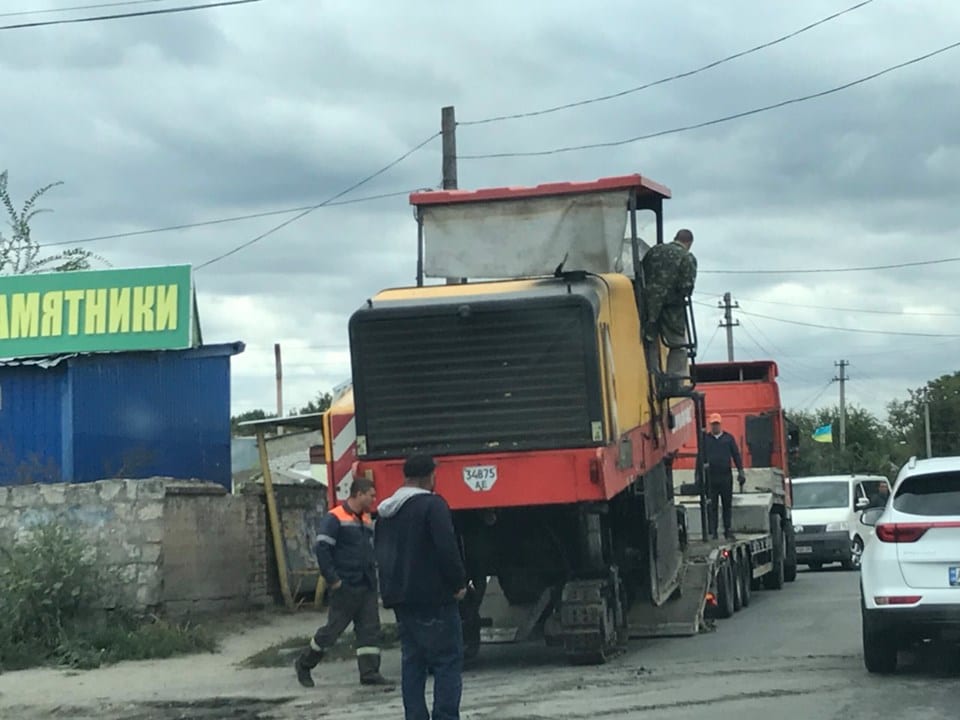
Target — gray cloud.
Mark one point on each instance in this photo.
(235, 111)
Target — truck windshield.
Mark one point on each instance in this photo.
(808, 496)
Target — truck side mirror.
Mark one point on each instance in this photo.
(793, 440)
(862, 502)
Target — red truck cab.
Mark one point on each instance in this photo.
(747, 396)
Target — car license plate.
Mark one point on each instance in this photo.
(804, 549)
(955, 577)
(480, 478)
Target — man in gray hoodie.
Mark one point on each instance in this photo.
(422, 578)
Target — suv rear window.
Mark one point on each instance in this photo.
(929, 494)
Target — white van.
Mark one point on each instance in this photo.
(826, 517)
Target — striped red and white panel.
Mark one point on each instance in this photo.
(344, 453)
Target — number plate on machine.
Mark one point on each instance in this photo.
(955, 577)
(480, 478)
(804, 549)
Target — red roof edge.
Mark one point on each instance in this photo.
(642, 185)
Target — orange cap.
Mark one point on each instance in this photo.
(715, 418)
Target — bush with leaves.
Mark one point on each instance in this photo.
(51, 597)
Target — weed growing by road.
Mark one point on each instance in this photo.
(52, 595)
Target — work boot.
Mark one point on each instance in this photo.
(306, 661)
(369, 666)
(729, 535)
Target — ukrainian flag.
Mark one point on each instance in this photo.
(823, 434)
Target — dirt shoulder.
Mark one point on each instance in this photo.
(195, 686)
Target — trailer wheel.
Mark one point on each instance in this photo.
(790, 564)
(725, 591)
(773, 580)
(737, 576)
(746, 573)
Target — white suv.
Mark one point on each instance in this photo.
(910, 573)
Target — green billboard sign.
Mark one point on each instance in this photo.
(96, 311)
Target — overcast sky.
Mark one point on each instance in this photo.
(183, 118)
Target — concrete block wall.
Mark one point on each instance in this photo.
(300, 508)
(175, 546)
(122, 520)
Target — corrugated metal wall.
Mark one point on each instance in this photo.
(129, 415)
(31, 424)
(143, 414)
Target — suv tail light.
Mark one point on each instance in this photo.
(910, 532)
(901, 532)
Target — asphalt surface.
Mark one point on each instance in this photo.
(792, 655)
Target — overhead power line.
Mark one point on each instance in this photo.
(121, 16)
(869, 311)
(671, 78)
(706, 348)
(224, 220)
(816, 396)
(329, 200)
(809, 271)
(78, 8)
(849, 330)
(715, 121)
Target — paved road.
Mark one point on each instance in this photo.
(792, 655)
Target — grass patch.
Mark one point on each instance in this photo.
(284, 652)
(50, 589)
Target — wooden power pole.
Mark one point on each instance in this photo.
(728, 322)
(448, 131)
(842, 379)
(279, 368)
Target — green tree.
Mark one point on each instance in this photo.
(907, 417)
(872, 445)
(20, 253)
(244, 417)
(319, 404)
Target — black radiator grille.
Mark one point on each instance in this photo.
(482, 377)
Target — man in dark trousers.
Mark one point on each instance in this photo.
(345, 555)
(422, 578)
(669, 271)
(720, 449)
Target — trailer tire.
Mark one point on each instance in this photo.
(725, 591)
(737, 577)
(746, 572)
(790, 564)
(774, 579)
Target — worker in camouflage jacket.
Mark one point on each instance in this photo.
(669, 271)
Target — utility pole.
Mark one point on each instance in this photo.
(728, 322)
(279, 367)
(926, 422)
(448, 131)
(842, 379)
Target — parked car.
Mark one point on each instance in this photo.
(910, 575)
(826, 517)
